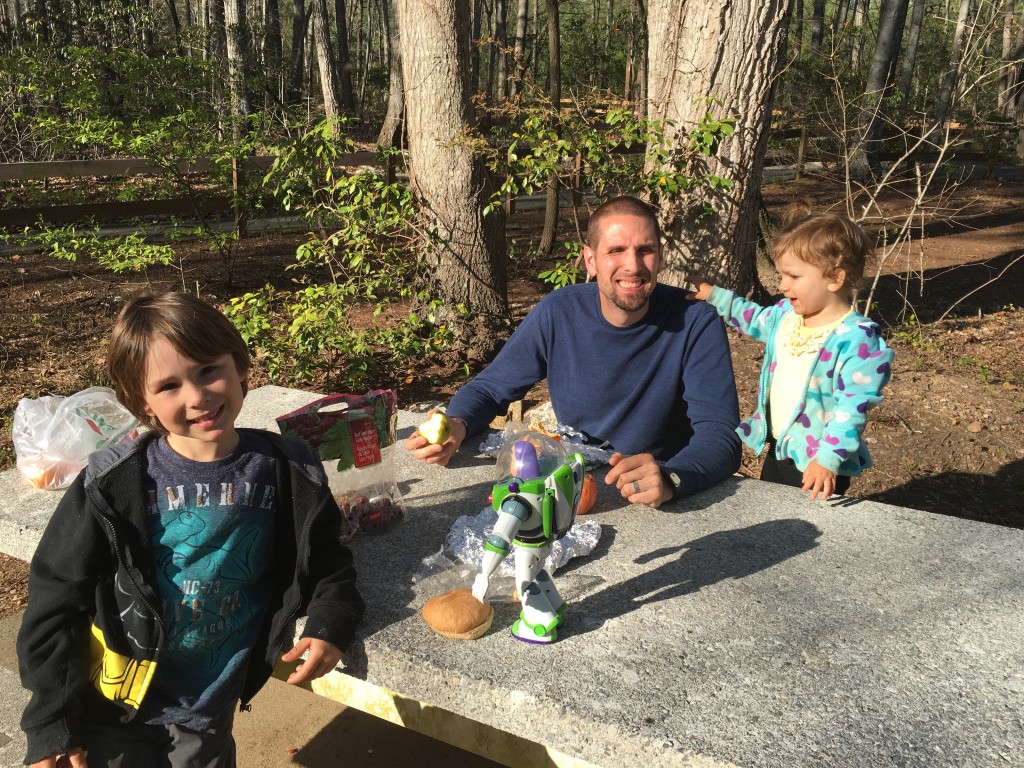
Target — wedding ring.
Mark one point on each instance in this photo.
(636, 486)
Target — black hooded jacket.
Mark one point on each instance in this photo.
(93, 619)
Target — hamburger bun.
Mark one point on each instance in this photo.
(458, 615)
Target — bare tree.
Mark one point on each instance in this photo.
(391, 129)
(522, 16)
(864, 154)
(348, 102)
(325, 58)
(949, 81)
(300, 25)
(467, 252)
(910, 55)
(817, 25)
(547, 238)
(237, 33)
(698, 49)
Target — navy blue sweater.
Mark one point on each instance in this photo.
(662, 386)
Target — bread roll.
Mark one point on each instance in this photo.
(458, 615)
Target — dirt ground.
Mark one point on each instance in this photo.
(949, 437)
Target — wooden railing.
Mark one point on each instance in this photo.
(200, 203)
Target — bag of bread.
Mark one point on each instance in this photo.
(355, 437)
(53, 436)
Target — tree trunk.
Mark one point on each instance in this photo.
(817, 25)
(522, 16)
(945, 99)
(391, 130)
(298, 69)
(860, 11)
(237, 35)
(273, 51)
(325, 58)
(910, 55)
(348, 102)
(609, 25)
(1006, 80)
(865, 147)
(467, 254)
(798, 27)
(172, 8)
(700, 49)
(547, 238)
(500, 23)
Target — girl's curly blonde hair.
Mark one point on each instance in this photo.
(828, 241)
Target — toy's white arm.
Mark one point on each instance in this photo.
(510, 517)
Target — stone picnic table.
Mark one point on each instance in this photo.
(745, 626)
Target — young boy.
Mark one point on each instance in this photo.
(167, 581)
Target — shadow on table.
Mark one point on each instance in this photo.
(684, 569)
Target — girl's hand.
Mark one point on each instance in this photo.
(817, 480)
(72, 758)
(702, 285)
(323, 657)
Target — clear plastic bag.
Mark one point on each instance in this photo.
(53, 436)
(355, 437)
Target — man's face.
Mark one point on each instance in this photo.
(625, 261)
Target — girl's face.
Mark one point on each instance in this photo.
(814, 297)
(196, 403)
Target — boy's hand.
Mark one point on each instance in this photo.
(702, 285)
(440, 453)
(73, 758)
(638, 479)
(817, 480)
(322, 658)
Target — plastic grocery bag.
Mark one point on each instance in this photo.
(53, 436)
(355, 436)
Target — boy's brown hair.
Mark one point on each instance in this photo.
(194, 328)
(828, 241)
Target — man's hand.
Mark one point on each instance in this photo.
(817, 480)
(703, 287)
(73, 758)
(322, 658)
(440, 453)
(639, 479)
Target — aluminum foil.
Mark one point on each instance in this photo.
(465, 542)
(457, 563)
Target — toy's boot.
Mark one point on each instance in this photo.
(538, 621)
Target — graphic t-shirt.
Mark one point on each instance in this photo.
(211, 527)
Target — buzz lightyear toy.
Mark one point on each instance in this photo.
(536, 498)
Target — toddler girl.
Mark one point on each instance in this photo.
(825, 364)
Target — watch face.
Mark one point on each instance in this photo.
(675, 480)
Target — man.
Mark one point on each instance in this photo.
(628, 362)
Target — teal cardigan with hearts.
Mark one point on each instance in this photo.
(844, 383)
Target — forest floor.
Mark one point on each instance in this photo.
(949, 437)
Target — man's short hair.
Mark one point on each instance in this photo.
(195, 329)
(620, 206)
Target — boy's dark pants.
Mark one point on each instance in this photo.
(785, 472)
(113, 744)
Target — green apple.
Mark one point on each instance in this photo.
(436, 429)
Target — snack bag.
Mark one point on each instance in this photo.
(53, 436)
(355, 436)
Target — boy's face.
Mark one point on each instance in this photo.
(197, 403)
